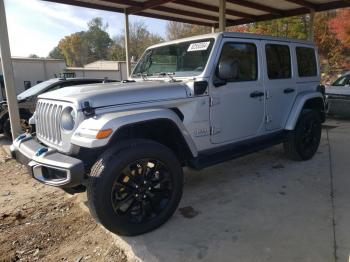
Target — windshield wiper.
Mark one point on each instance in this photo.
(142, 75)
(170, 75)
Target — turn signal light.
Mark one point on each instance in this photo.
(104, 133)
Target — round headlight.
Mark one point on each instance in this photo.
(68, 119)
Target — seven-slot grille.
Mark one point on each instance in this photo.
(48, 121)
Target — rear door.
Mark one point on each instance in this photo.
(279, 83)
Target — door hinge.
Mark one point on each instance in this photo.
(268, 118)
(214, 130)
(214, 101)
(267, 94)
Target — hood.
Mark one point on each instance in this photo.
(108, 94)
(337, 90)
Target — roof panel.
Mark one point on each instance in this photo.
(205, 12)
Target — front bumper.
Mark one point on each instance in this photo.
(46, 164)
(338, 105)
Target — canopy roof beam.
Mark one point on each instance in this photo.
(213, 8)
(257, 6)
(146, 5)
(303, 3)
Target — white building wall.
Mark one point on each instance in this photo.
(34, 70)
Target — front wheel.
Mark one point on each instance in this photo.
(135, 187)
(302, 142)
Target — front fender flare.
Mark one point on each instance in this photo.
(117, 120)
(298, 106)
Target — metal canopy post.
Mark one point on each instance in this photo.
(311, 25)
(6, 63)
(222, 15)
(127, 45)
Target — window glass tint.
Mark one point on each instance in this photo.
(244, 56)
(306, 59)
(278, 61)
(181, 59)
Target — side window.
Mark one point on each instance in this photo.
(278, 61)
(244, 56)
(306, 60)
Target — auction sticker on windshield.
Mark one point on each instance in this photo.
(198, 46)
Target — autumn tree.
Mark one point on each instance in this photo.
(86, 46)
(291, 27)
(340, 26)
(74, 49)
(176, 30)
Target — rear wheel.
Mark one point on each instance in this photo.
(302, 142)
(135, 187)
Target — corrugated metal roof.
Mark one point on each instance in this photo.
(205, 12)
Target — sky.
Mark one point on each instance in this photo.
(35, 27)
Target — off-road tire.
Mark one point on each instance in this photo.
(294, 145)
(108, 167)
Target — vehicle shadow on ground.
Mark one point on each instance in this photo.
(262, 207)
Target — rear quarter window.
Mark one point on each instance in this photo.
(306, 60)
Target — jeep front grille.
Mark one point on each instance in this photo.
(48, 120)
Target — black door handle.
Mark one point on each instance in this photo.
(257, 94)
(288, 90)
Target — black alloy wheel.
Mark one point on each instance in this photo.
(135, 187)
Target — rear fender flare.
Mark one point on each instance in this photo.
(298, 106)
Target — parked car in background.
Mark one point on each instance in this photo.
(338, 96)
(27, 100)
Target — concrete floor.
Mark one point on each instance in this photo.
(263, 207)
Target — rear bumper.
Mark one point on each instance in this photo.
(46, 164)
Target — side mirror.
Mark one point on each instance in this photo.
(228, 69)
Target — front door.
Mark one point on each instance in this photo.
(237, 108)
(279, 83)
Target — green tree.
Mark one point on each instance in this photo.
(176, 30)
(33, 56)
(97, 40)
(56, 53)
(291, 27)
(140, 39)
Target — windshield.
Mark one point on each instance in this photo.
(342, 81)
(181, 59)
(35, 90)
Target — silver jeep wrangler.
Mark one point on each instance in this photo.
(193, 102)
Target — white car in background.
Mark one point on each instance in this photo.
(338, 96)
